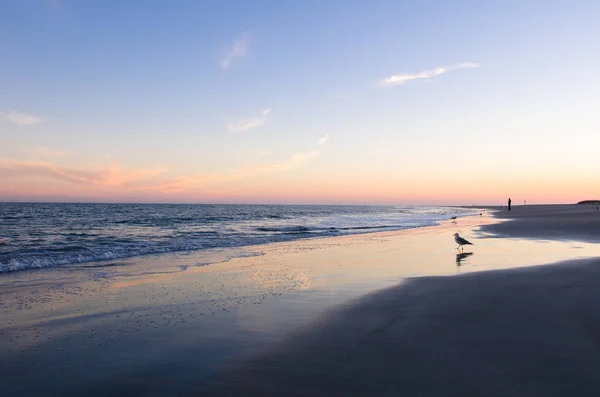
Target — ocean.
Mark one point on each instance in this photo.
(38, 235)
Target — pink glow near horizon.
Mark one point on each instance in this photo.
(301, 191)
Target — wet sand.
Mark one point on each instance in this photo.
(526, 332)
(372, 314)
(554, 222)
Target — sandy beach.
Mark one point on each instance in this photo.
(391, 313)
(553, 222)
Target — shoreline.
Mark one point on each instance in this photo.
(299, 232)
(116, 330)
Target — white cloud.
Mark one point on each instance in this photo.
(323, 140)
(20, 118)
(425, 74)
(247, 124)
(238, 50)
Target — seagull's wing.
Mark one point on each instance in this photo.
(462, 241)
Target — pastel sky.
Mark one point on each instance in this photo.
(338, 101)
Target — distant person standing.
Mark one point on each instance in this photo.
(509, 201)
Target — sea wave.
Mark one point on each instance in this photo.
(61, 235)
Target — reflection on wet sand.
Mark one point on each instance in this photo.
(461, 257)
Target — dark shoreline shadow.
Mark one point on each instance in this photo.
(523, 332)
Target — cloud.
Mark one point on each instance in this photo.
(114, 175)
(323, 140)
(425, 74)
(153, 179)
(238, 50)
(466, 65)
(247, 124)
(20, 118)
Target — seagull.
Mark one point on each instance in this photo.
(461, 241)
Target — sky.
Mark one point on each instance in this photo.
(307, 102)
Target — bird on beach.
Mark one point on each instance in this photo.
(461, 241)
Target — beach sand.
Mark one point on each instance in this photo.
(556, 222)
(364, 315)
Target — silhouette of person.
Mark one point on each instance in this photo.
(509, 201)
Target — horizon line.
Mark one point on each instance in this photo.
(282, 204)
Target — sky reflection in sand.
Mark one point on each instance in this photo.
(309, 274)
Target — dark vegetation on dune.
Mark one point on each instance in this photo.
(589, 202)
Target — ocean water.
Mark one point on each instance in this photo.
(36, 235)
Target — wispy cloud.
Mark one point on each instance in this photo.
(323, 140)
(155, 179)
(425, 74)
(113, 175)
(117, 175)
(247, 124)
(238, 50)
(20, 118)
